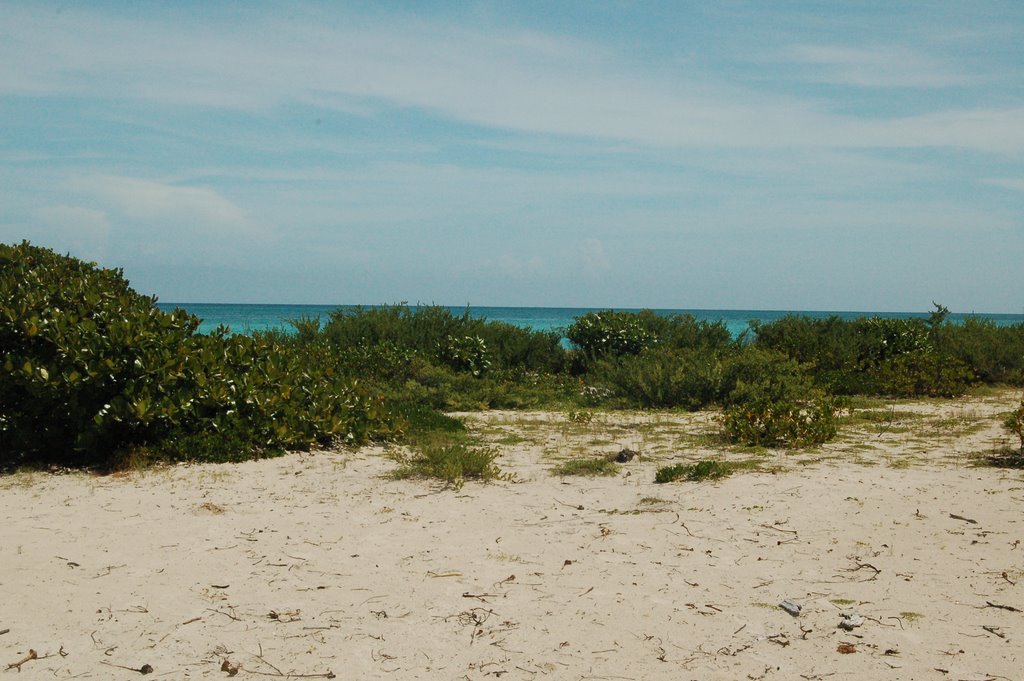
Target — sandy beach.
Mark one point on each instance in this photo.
(320, 566)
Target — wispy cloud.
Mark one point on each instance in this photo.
(516, 80)
(150, 201)
(1015, 183)
(74, 229)
(880, 66)
(438, 150)
(595, 259)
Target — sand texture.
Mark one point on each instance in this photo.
(320, 566)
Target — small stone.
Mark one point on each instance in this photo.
(625, 455)
(792, 607)
(850, 621)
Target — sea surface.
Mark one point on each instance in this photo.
(250, 317)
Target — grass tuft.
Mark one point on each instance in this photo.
(450, 461)
(587, 467)
(707, 469)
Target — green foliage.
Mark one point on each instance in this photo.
(452, 461)
(772, 401)
(586, 467)
(898, 357)
(755, 374)
(1015, 424)
(415, 420)
(92, 368)
(663, 377)
(612, 333)
(922, 373)
(706, 469)
(580, 416)
(466, 353)
(781, 423)
(463, 343)
(994, 354)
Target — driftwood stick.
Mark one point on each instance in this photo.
(144, 669)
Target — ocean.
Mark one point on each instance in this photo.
(250, 317)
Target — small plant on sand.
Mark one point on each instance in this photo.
(587, 467)
(782, 423)
(1015, 424)
(454, 462)
(706, 469)
(581, 416)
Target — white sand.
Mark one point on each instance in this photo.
(313, 564)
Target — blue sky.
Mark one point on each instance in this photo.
(783, 155)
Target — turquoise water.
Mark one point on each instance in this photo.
(247, 318)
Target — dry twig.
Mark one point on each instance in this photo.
(32, 655)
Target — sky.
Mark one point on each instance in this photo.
(821, 155)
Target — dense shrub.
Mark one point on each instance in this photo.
(899, 357)
(611, 334)
(772, 401)
(661, 378)
(466, 353)
(781, 423)
(995, 354)
(618, 333)
(461, 342)
(92, 368)
(756, 373)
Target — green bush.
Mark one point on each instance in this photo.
(766, 423)
(772, 401)
(91, 369)
(922, 373)
(432, 332)
(754, 374)
(611, 334)
(466, 353)
(900, 357)
(661, 377)
(994, 354)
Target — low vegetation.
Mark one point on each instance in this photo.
(706, 469)
(94, 374)
(589, 467)
(453, 462)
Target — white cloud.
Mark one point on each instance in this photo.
(496, 77)
(82, 231)
(999, 131)
(149, 201)
(595, 260)
(76, 219)
(878, 66)
(1015, 183)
